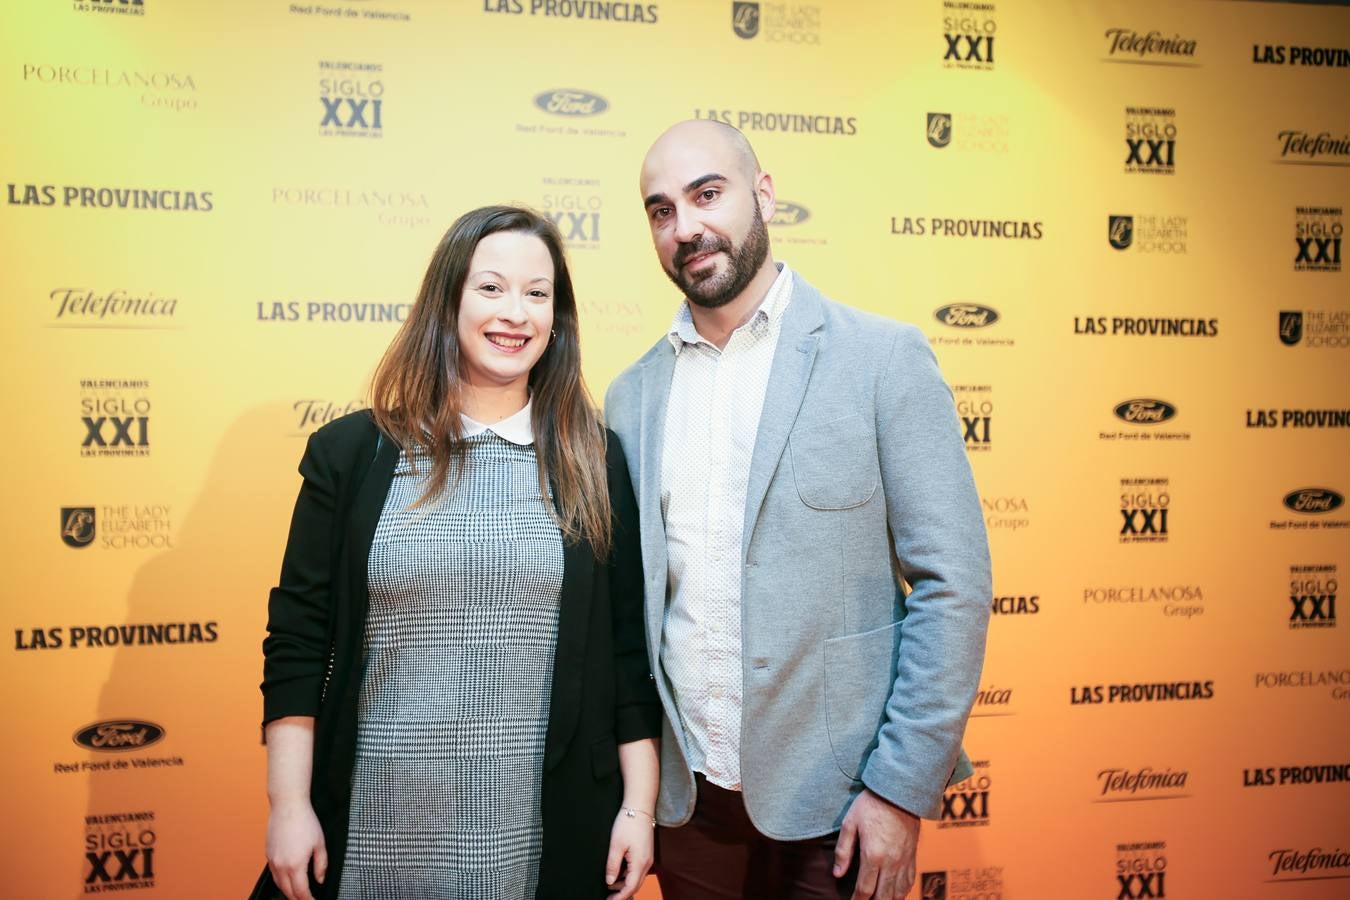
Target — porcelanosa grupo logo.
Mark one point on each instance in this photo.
(571, 102)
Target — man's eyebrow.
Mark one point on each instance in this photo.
(691, 186)
(702, 180)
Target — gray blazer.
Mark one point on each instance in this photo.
(847, 681)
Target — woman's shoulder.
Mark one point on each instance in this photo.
(354, 433)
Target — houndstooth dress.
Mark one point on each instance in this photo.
(454, 704)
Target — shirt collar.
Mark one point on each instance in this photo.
(682, 330)
(515, 428)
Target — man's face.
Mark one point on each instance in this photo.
(705, 218)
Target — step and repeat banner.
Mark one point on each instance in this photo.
(1121, 226)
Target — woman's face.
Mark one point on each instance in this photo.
(506, 310)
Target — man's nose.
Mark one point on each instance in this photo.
(688, 226)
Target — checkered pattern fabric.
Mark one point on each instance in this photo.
(459, 647)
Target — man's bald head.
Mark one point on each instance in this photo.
(717, 140)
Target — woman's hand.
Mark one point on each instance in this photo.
(631, 846)
(293, 837)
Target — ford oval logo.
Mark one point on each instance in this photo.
(1145, 412)
(789, 214)
(118, 734)
(1313, 500)
(571, 103)
(966, 315)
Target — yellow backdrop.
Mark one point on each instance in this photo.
(1119, 223)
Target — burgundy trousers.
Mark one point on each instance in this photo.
(719, 855)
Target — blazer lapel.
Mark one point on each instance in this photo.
(798, 342)
(656, 377)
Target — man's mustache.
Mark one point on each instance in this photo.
(709, 244)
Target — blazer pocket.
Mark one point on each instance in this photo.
(834, 464)
(859, 676)
(604, 758)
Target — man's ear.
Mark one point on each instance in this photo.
(764, 193)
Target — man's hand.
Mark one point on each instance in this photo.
(887, 837)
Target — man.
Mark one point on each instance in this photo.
(791, 455)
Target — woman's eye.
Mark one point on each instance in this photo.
(490, 288)
(709, 194)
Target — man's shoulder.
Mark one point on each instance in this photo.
(873, 329)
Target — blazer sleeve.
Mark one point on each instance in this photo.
(637, 713)
(295, 651)
(934, 515)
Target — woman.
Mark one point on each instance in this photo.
(456, 691)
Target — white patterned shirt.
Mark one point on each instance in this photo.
(711, 422)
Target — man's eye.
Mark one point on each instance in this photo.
(709, 194)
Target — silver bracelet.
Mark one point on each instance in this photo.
(634, 813)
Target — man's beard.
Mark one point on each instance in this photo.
(743, 263)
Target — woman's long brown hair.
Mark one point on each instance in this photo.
(416, 395)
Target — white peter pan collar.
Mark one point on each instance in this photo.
(515, 428)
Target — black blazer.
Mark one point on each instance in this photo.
(602, 695)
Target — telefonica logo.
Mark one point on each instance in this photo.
(1145, 411)
(563, 102)
(1313, 500)
(118, 734)
(966, 315)
(789, 214)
